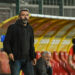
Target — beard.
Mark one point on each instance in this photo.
(24, 21)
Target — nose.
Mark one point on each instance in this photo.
(24, 16)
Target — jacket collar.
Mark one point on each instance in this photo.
(19, 23)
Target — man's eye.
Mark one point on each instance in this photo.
(22, 14)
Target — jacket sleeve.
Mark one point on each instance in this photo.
(32, 49)
(41, 68)
(7, 41)
(49, 71)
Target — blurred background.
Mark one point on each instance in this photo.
(53, 22)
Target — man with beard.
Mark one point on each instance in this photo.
(19, 45)
(43, 66)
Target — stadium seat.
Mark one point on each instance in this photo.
(69, 70)
(61, 56)
(60, 69)
(38, 55)
(66, 55)
(68, 67)
(56, 56)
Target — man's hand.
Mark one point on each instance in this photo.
(11, 56)
(34, 62)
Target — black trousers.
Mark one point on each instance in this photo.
(25, 65)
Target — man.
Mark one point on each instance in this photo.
(43, 66)
(72, 55)
(19, 45)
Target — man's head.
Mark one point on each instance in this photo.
(24, 15)
(46, 55)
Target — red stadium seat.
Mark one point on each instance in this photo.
(38, 55)
(61, 55)
(68, 67)
(60, 69)
(56, 56)
(66, 55)
(70, 70)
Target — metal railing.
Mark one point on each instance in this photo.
(49, 7)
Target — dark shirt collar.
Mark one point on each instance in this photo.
(19, 23)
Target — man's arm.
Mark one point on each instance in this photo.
(32, 49)
(7, 41)
(49, 68)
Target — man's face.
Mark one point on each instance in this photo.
(24, 16)
(47, 57)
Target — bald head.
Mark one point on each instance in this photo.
(45, 53)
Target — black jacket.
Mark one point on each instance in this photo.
(19, 40)
(42, 68)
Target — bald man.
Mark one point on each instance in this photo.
(43, 66)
